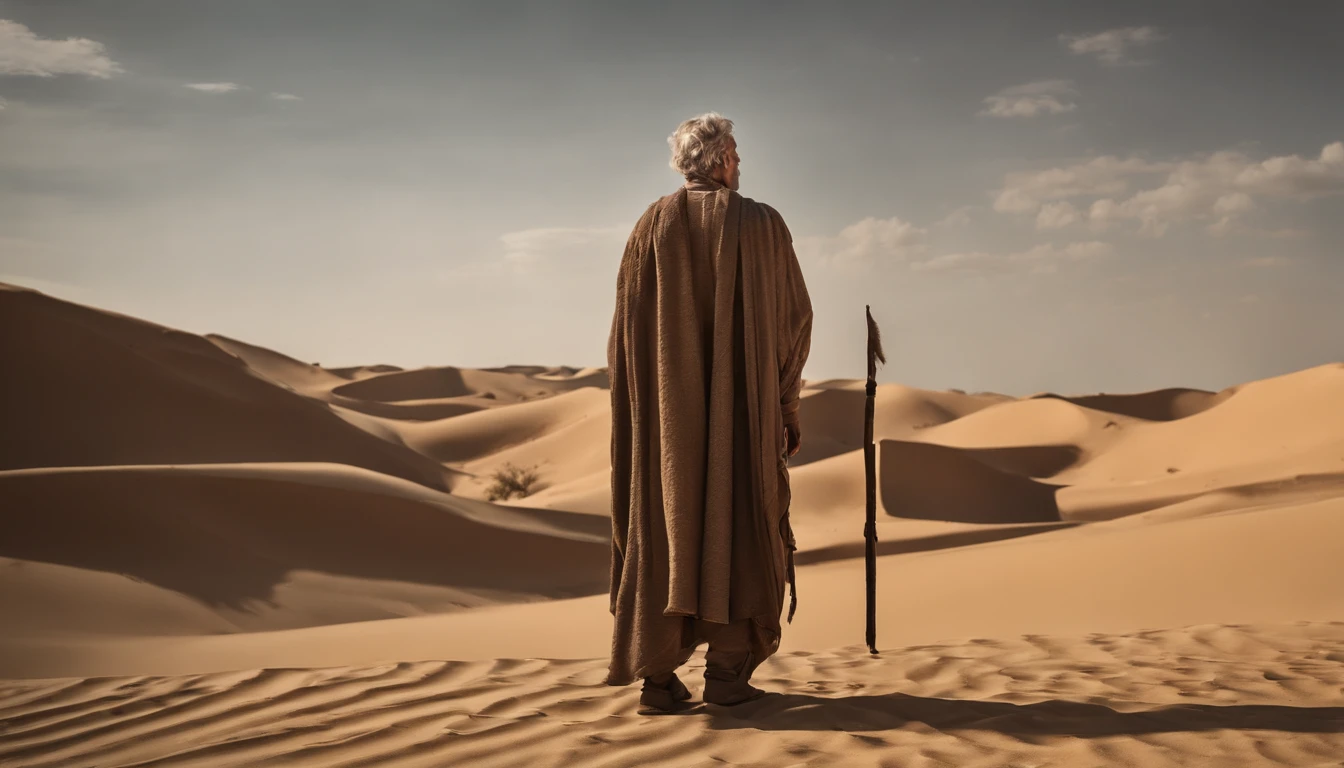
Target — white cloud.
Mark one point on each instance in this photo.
(863, 242)
(1056, 215)
(286, 97)
(528, 249)
(950, 261)
(24, 53)
(1225, 185)
(2, 102)
(1113, 45)
(1295, 176)
(1105, 175)
(1041, 258)
(1031, 99)
(1219, 189)
(213, 87)
(961, 217)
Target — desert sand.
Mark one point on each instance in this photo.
(214, 554)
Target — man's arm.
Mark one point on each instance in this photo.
(795, 312)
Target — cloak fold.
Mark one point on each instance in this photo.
(711, 330)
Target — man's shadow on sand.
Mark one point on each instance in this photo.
(805, 712)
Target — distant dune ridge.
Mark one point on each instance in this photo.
(212, 553)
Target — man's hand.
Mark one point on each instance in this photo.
(794, 437)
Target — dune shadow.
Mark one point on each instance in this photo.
(855, 549)
(418, 384)
(428, 410)
(805, 712)
(1159, 405)
(1036, 461)
(230, 542)
(934, 482)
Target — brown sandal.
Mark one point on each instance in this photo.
(729, 692)
(657, 699)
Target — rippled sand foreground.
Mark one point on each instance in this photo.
(1210, 695)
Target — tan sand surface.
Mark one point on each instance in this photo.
(212, 553)
(1211, 695)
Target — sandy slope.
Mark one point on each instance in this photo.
(273, 546)
(939, 581)
(213, 553)
(85, 387)
(1208, 695)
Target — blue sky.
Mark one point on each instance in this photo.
(1064, 196)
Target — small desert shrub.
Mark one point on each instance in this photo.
(511, 480)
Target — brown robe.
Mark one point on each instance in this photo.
(712, 327)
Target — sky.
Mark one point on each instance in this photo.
(1031, 196)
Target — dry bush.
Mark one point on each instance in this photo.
(512, 480)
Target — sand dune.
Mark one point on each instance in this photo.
(213, 553)
(235, 537)
(508, 385)
(995, 607)
(353, 372)
(282, 369)
(1050, 422)
(101, 388)
(378, 392)
(926, 481)
(574, 453)
(1295, 418)
(1047, 580)
(832, 414)
(1158, 405)
(476, 436)
(827, 488)
(590, 495)
(1270, 564)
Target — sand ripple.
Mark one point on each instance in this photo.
(1204, 695)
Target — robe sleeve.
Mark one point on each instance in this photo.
(795, 331)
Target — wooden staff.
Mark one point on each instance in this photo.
(870, 469)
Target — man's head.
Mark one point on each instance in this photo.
(704, 146)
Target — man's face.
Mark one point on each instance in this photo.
(728, 174)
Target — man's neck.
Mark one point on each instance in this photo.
(704, 183)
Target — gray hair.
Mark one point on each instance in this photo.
(700, 144)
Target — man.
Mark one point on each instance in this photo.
(712, 327)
